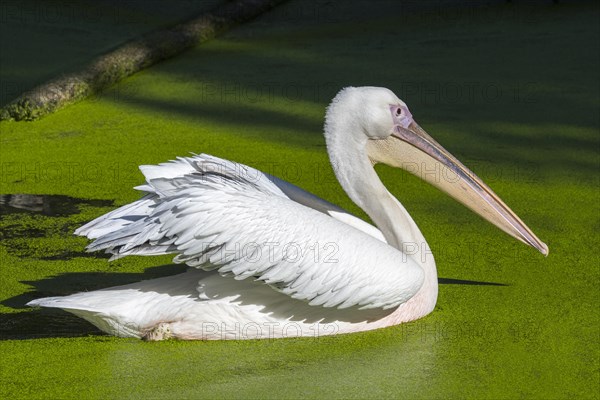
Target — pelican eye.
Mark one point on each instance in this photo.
(398, 112)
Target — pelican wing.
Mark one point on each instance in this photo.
(218, 215)
(308, 199)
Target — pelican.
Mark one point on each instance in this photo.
(270, 260)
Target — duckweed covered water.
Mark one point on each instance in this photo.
(509, 323)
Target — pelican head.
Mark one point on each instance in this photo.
(373, 124)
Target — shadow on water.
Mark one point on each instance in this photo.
(33, 216)
(450, 281)
(48, 205)
(244, 115)
(44, 323)
(440, 68)
(43, 41)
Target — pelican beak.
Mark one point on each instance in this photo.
(426, 158)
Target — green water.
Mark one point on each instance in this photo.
(512, 91)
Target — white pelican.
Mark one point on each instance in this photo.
(271, 260)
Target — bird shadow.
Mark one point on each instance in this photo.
(25, 323)
(451, 281)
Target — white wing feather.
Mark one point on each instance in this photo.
(216, 214)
